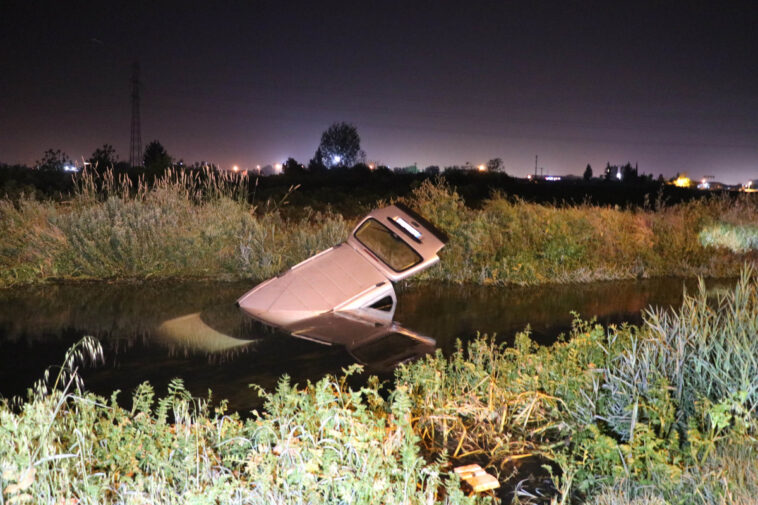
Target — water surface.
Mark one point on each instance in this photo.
(38, 324)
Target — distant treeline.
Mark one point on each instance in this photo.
(350, 191)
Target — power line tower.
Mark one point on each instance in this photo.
(135, 145)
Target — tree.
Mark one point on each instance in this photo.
(317, 162)
(629, 173)
(588, 173)
(340, 145)
(52, 160)
(292, 167)
(156, 158)
(103, 158)
(495, 165)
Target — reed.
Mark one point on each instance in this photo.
(657, 406)
(509, 241)
(321, 443)
(200, 225)
(660, 413)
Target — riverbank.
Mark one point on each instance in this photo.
(660, 413)
(185, 227)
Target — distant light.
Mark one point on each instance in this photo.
(337, 158)
(278, 167)
(683, 182)
(552, 178)
(482, 168)
(258, 167)
(69, 168)
(618, 175)
(371, 166)
(236, 168)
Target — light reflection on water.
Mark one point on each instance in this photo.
(209, 344)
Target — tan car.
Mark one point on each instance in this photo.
(328, 296)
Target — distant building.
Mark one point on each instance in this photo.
(410, 169)
(708, 182)
(544, 178)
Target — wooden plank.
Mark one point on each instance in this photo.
(484, 482)
(477, 478)
(468, 471)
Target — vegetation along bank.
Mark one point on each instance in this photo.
(190, 225)
(663, 413)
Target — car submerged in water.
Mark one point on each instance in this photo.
(345, 295)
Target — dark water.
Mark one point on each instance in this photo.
(210, 347)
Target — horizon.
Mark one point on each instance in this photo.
(672, 88)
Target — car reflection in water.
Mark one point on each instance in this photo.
(380, 346)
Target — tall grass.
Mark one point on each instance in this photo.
(660, 407)
(660, 413)
(323, 443)
(202, 226)
(510, 241)
(737, 238)
(180, 227)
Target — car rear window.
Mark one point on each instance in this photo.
(387, 246)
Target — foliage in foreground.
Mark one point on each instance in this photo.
(664, 413)
(201, 226)
(323, 443)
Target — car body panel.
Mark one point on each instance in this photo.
(353, 278)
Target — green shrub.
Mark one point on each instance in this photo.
(324, 443)
(661, 413)
(201, 226)
(651, 405)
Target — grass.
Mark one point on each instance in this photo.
(736, 238)
(202, 226)
(661, 413)
(509, 241)
(181, 227)
(648, 414)
(322, 443)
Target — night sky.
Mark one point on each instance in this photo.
(672, 86)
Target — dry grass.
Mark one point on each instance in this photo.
(202, 226)
(516, 242)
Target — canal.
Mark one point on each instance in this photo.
(192, 330)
